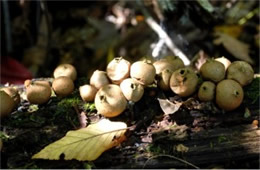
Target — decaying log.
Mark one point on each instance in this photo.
(226, 147)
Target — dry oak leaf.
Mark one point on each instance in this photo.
(169, 107)
(238, 49)
(86, 143)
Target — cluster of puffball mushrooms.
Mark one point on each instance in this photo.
(123, 81)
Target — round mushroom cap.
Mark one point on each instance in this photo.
(13, 93)
(38, 92)
(132, 90)
(110, 101)
(99, 79)
(240, 71)
(164, 79)
(170, 62)
(118, 70)
(207, 91)
(87, 92)
(229, 94)
(143, 72)
(67, 70)
(7, 104)
(184, 82)
(226, 62)
(213, 70)
(63, 86)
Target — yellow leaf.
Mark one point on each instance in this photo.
(238, 49)
(86, 143)
(232, 30)
(182, 148)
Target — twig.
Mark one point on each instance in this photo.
(173, 157)
(81, 117)
(163, 35)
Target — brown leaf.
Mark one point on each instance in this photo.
(238, 49)
(169, 107)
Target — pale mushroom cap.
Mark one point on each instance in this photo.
(99, 79)
(132, 90)
(118, 70)
(38, 92)
(63, 86)
(226, 62)
(143, 72)
(7, 104)
(164, 79)
(229, 94)
(240, 71)
(170, 62)
(13, 93)
(110, 101)
(67, 70)
(213, 70)
(207, 91)
(184, 82)
(87, 92)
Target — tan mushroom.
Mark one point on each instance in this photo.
(118, 70)
(63, 86)
(67, 70)
(110, 101)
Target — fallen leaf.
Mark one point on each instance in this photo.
(232, 30)
(181, 148)
(169, 107)
(238, 49)
(86, 143)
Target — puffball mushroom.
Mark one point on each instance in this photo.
(207, 91)
(132, 90)
(118, 70)
(240, 71)
(110, 101)
(143, 72)
(63, 86)
(99, 79)
(213, 70)
(224, 61)
(13, 93)
(38, 92)
(7, 104)
(184, 82)
(67, 70)
(164, 79)
(229, 94)
(170, 63)
(87, 92)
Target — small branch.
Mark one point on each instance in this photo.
(163, 35)
(173, 157)
(81, 116)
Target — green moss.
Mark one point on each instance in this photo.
(251, 91)
(68, 102)
(89, 107)
(222, 139)
(155, 149)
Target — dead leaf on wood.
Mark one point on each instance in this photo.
(238, 49)
(86, 143)
(181, 148)
(169, 107)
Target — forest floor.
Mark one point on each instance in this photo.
(195, 135)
